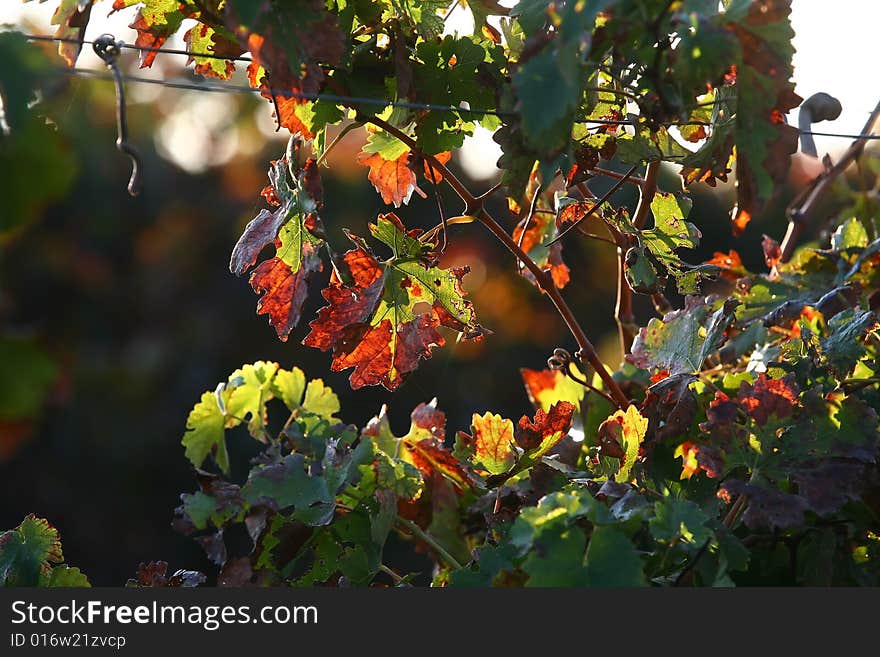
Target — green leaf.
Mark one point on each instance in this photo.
(289, 386)
(205, 431)
(67, 577)
(549, 87)
(27, 551)
(612, 560)
(850, 235)
(646, 146)
(287, 484)
(676, 343)
(26, 375)
(676, 519)
(251, 389)
(845, 344)
(558, 560)
(321, 400)
(491, 561)
(560, 508)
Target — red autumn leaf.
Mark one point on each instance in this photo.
(422, 445)
(430, 456)
(155, 23)
(545, 430)
(772, 252)
(382, 318)
(283, 290)
(696, 458)
(317, 41)
(722, 410)
(428, 417)
(295, 230)
(766, 397)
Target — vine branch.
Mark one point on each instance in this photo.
(805, 205)
(623, 310)
(474, 207)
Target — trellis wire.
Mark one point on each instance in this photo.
(286, 93)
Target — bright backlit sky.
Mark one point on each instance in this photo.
(836, 51)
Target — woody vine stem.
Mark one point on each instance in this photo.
(474, 206)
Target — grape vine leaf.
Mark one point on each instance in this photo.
(627, 430)
(296, 231)
(155, 22)
(385, 320)
(28, 552)
(71, 17)
(202, 38)
(547, 387)
(612, 560)
(422, 446)
(392, 167)
(496, 446)
(493, 445)
(764, 94)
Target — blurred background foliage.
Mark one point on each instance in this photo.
(116, 313)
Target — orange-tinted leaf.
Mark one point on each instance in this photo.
(541, 434)
(204, 39)
(431, 173)
(422, 446)
(546, 387)
(430, 456)
(492, 443)
(349, 305)
(393, 179)
(730, 264)
(382, 318)
(621, 436)
(542, 229)
(314, 39)
(741, 219)
(696, 458)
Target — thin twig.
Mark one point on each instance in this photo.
(617, 185)
(608, 173)
(474, 207)
(527, 221)
(440, 209)
(336, 140)
(571, 375)
(623, 310)
(394, 576)
(425, 537)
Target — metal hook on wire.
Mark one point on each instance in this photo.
(107, 47)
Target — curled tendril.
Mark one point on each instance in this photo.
(562, 361)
